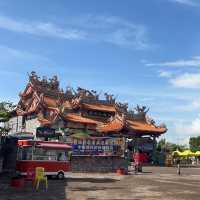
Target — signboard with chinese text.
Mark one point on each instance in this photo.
(45, 132)
(94, 149)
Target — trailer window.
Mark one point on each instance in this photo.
(27, 153)
(44, 154)
(19, 153)
(62, 155)
(24, 153)
(50, 154)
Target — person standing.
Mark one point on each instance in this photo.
(178, 167)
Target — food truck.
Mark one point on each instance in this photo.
(53, 156)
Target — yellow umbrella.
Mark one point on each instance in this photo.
(186, 153)
(176, 153)
(197, 153)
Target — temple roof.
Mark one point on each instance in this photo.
(142, 126)
(99, 107)
(50, 102)
(28, 91)
(44, 122)
(67, 105)
(78, 118)
(120, 123)
(45, 98)
(115, 124)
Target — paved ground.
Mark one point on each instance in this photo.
(154, 183)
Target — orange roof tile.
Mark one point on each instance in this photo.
(78, 118)
(67, 105)
(32, 106)
(99, 107)
(44, 121)
(53, 108)
(20, 112)
(144, 127)
(27, 91)
(115, 125)
(50, 102)
(75, 103)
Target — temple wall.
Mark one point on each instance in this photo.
(15, 124)
(90, 126)
(75, 125)
(58, 125)
(31, 125)
(97, 163)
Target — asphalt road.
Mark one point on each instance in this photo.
(153, 183)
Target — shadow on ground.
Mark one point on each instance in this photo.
(55, 191)
(92, 180)
(95, 188)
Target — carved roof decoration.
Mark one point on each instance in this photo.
(115, 124)
(45, 98)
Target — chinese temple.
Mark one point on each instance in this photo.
(44, 105)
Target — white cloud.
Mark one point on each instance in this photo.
(108, 29)
(193, 62)
(12, 59)
(185, 130)
(165, 74)
(114, 30)
(192, 106)
(8, 54)
(191, 81)
(39, 28)
(187, 2)
(18, 61)
(124, 33)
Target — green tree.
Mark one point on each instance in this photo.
(5, 113)
(178, 147)
(161, 145)
(195, 143)
(168, 146)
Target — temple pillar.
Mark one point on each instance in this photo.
(154, 150)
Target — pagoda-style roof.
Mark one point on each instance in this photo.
(136, 126)
(50, 102)
(44, 122)
(144, 127)
(99, 107)
(114, 125)
(44, 98)
(78, 118)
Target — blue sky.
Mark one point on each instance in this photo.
(144, 52)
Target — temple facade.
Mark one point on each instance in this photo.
(47, 111)
(44, 104)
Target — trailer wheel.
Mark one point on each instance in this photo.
(60, 175)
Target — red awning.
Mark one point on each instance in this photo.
(54, 146)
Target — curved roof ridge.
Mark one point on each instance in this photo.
(115, 124)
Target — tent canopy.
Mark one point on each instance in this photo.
(186, 153)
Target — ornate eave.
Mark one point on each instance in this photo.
(114, 125)
(44, 96)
